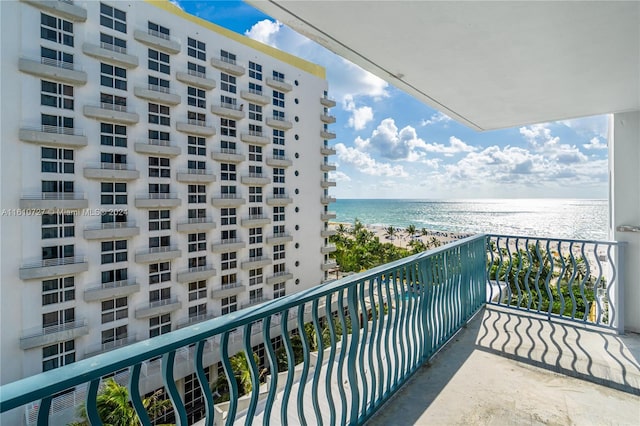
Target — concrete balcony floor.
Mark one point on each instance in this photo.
(510, 368)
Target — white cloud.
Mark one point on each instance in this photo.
(339, 176)
(537, 134)
(359, 116)
(456, 146)
(366, 164)
(542, 140)
(595, 143)
(265, 31)
(589, 126)
(438, 117)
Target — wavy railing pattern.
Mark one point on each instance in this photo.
(345, 347)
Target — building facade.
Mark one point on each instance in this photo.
(157, 171)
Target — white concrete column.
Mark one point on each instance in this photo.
(624, 204)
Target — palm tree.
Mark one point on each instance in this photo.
(341, 229)
(411, 230)
(424, 232)
(115, 409)
(435, 242)
(390, 232)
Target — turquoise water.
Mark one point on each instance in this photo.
(580, 219)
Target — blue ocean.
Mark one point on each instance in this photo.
(561, 218)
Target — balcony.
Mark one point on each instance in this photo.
(156, 93)
(227, 155)
(196, 274)
(53, 267)
(185, 322)
(327, 150)
(195, 78)
(326, 118)
(228, 65)
(280, 277)
(56, 136)
(279, 200)
(279, 238)
(111, 112)
(158, 307)
(467, 309)
(255, 262)
(111, 290)
(254, 301)
(230, 244)
(328, 102)
(157, 200)
(54, 201)
(255, 220)
(279, 123)
(327, 183)
(278, 84)
(278, 161)
(327, 200)
(327, 167)
(158, 40)
(195, 176)
(157, 146)
(46, 336)
(228, 290)
(227, 200)
(158, 254)
(196, 127)
(111, 230)
(258, 138)
(64, 8)
(255, 97)
(196, 224)
(329, 248)
(326, 233)
(51, 69)
(111, 171)
(328, 266)
(110, 53)
(232, 111)
(106, 347)
(255, 179)
(327, 216)
(327, 135)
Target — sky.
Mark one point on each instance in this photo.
(390, 145)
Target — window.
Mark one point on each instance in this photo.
(255, 171)
(255, 88)
(255, 295)
(114, 251)
(228, 216)
(159, 61)
(227, 83)
(56, 95)
(114, 275)
(227, 57)
(57, 160)
(255, 235)
(278, 175)
(278, 137)
(158, 30)
(255, 153)
(279, 290)
(196, 97)
(228, 191)
(159, 167)
(278, 252)
(227, 146)
(255, 194)
(278, 214)
(197, 242)
(278, 153)
(113, 193)
(114, 334)
(228, 305)
(57, 355)
(255, 70)
(159, 114)
(227, 171)
(54, 318)
(278, 230)
(278, 99)
(255, 276)
(159, 220)
(197, 194)
(255, 112)
(113, 43)
(228, 280)
(196, 145)
(255, 130)
(228, 101)
(196, 49)
(196, 117)
(112, 76)
(58, 123)
(111, 160)
(159, 188)
(278, 115)
(113, 135)
(159, 272)
(162, 241)
(159, 325)
(198, 310)
(196, 165)
(197, 262)
(228, 235)
(58, 290)
(196, 69)
(255, 252)
(58, 58)
(56, 30)
(113, 18)
(228, 261)
(159, 137)
(227, 127)
(114, 309)
(160, 295)
(197, 290)
(118, 103)
(158, 84)
(54, 186)
(57, 226)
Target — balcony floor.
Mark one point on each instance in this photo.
(507, 367)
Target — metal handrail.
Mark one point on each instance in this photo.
(255, 92)
(113, 47)
(54, 196)
(161, 249)
(197, 220)
(228, 196)
(43, 331)
(158, 303)
(113, 107)
(256, 216)
(110, 166)
(58, 261)
(158, 196)
(229, 105)
(159, 34)
(197, 269)
(201, 123)
(111, 225)
(228, 60)
(113, 284)
(195, 171)
(279, 195)
(255, 133)
(157, 142)
(61, 130)
(58, 63)
(158, 88)
(196, 73)
(228, 241)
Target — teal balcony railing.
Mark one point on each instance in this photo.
(347, 345)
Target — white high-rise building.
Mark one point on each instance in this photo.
(157, 170)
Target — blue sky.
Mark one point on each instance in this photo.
(390, 145)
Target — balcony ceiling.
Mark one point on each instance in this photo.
(488, 65)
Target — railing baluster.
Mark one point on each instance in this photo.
(572, 278)
(341, 357)
(398, 358)
(528, 274)
(332, 355)
(364, 315)
(273, 370)
(305, 365)
(389, 278)
(91, 404)
(596, 285)
(43, 410)
(253, 372)
(170, 384)
(352, 297)
(133, 386)
(284, 408)
(204, 383)
(318, 368)
(548, 278)
(563, 269)
(228, 371)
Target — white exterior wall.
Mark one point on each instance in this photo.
(21, 241)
